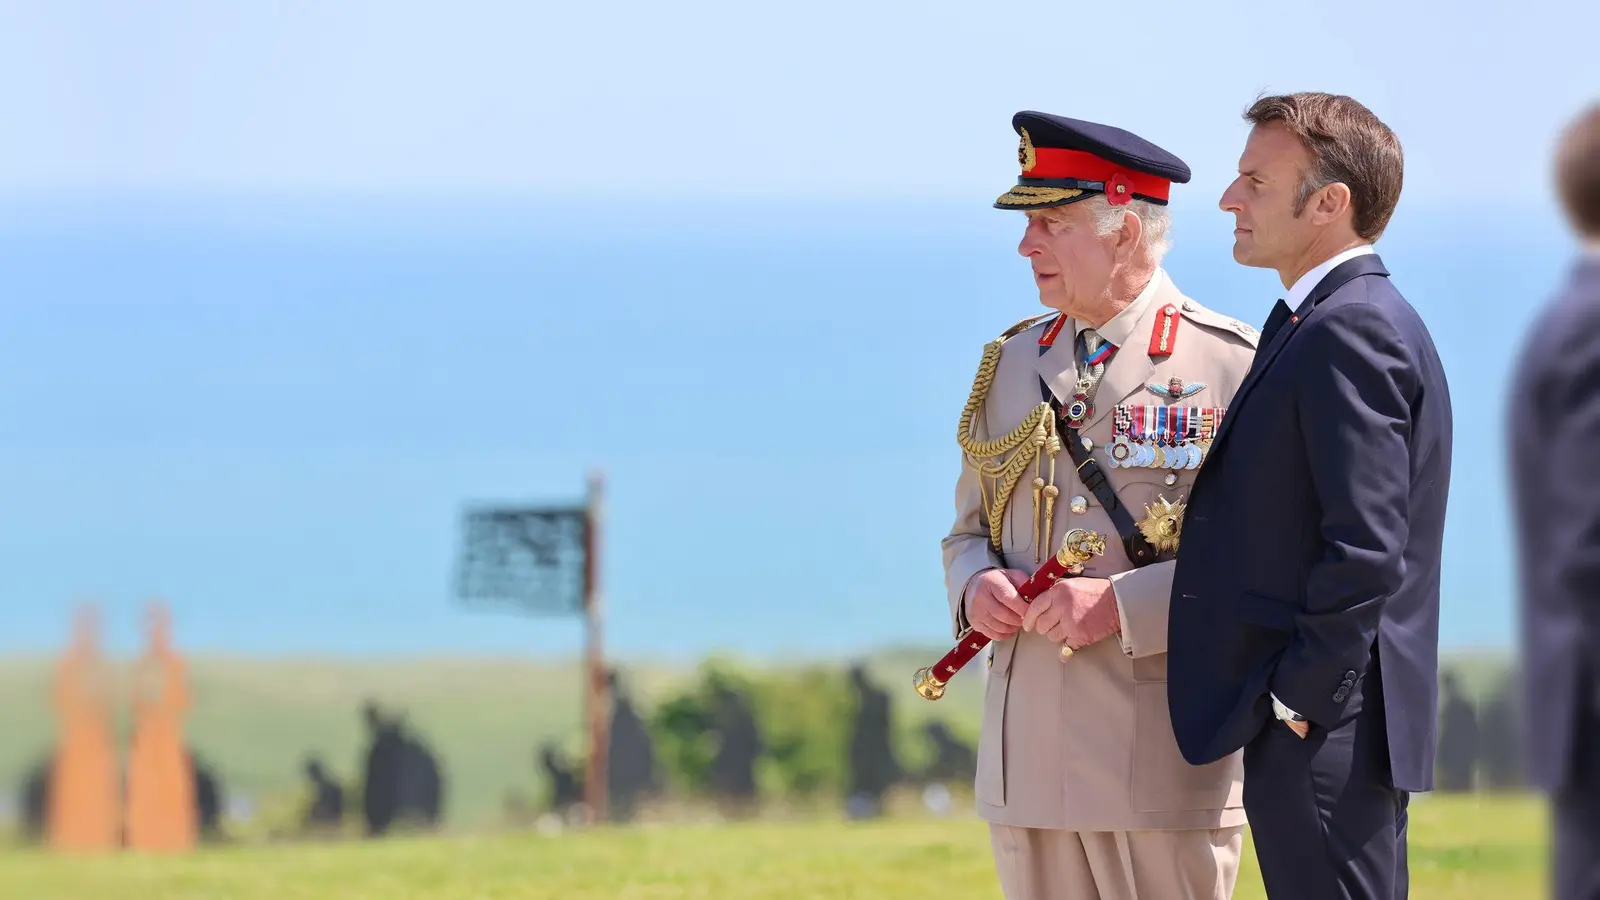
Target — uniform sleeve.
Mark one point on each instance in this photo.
(1353, 398)
(966, 548)
(1143, 597)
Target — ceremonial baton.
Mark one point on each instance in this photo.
(1077, 548)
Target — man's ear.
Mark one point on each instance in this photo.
(1128, 236)
(1330, 203)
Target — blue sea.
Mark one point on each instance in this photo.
(270, 411)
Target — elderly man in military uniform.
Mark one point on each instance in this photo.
(1093, 416)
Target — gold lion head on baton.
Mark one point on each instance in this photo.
(1079, 546)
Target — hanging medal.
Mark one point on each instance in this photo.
(1186, 449)
(1196, 450)
(1179, 454)
(1136, 435)
(1210, 420)
(1079, 410)
(1147, 435)
(1120, 450)
(1185, 423)
(1158, 438)
(1175, 454)
(1169, 436)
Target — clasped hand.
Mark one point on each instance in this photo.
(1076, 612)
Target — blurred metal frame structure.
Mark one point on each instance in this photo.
(546, 561)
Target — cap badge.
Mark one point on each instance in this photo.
(1025, 154)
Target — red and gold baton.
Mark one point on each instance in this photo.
(1077, 548)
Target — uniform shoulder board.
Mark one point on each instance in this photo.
(1202, 315)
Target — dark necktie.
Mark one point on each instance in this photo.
(1089, 376)
(1280, 314)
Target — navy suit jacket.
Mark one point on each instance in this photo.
(1310, 552)
(1554, 442)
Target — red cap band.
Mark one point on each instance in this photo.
(1051, 162)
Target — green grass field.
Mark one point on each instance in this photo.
(1461, 849)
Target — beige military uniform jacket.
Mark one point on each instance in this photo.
(1086, 743)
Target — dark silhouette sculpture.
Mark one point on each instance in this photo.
(1458, 739)
(421, 785)
(208, 798)
(381, 779)
(402, 782)
(35, 801)
(733, 777)
(631, 773)
(873, 769)
(566, 780)
(326, 810)
(953, 760)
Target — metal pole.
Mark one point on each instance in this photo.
(596, 695)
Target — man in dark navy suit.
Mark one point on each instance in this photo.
(1554, 441)
(1305, 604)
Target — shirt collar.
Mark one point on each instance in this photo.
(1305, 283)
(1120, 327)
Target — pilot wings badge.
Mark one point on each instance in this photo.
(1176, 388)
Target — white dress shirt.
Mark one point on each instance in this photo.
(1305, 283)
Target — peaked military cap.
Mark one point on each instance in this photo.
(1066, 160)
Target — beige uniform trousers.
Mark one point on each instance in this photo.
(1052, 864)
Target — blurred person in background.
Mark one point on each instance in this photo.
(1554, 442)
(1094, 416)
(1305, 611)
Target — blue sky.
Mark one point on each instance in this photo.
(285, 285)
(744, 100)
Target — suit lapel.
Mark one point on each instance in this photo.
(1342, 274)
(1263, 359)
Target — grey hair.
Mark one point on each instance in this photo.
(1157, 222)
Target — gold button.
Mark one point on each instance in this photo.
(1171, 479)
(1079, 505)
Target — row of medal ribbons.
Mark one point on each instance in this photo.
(1162, 437)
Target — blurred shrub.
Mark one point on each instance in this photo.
(803, 716)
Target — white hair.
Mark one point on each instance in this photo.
(1154, 218)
